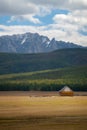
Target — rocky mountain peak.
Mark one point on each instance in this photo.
(31, 43)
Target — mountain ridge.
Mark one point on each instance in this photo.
(32, 43)
(16, 63)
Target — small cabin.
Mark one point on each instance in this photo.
(66, 91)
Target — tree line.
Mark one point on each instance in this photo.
(43, 85)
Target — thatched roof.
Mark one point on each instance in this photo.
(66, 89)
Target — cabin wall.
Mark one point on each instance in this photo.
(66, 93)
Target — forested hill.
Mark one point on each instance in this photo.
(47, 80)
(16, 63)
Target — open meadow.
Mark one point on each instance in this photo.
(31, 111)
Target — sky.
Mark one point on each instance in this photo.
(64, 20)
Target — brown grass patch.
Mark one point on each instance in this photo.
(20, 112)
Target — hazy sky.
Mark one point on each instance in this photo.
(63, 19)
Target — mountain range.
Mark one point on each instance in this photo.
(32, 43)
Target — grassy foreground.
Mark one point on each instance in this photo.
(43, 113)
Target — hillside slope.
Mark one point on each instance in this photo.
(47, 80)
(16, 63)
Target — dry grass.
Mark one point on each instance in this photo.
(24, 105)
(46, 113)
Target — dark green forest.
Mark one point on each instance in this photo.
(18, 63)
(47, 80)
(44, 71)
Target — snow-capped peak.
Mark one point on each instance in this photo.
(31, 43)
(44, 40)
(22, 42)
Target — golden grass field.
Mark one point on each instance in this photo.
(31, 111)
